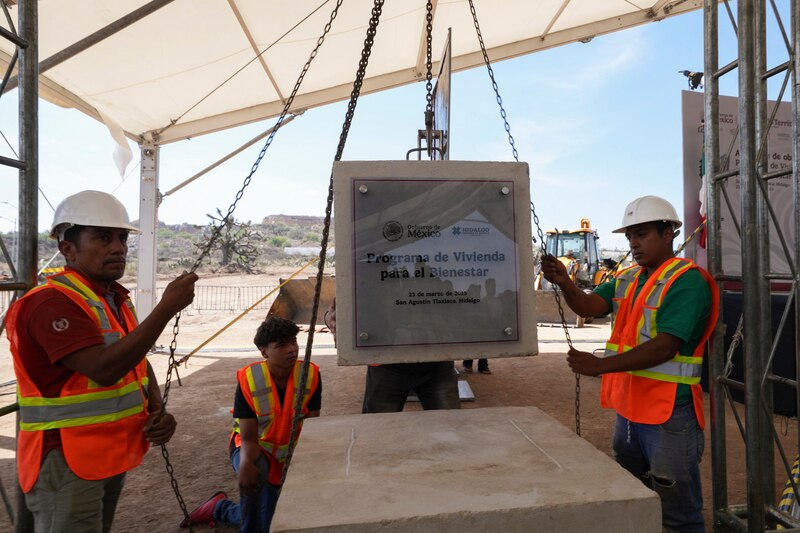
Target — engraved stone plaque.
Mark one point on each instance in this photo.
(434, 261)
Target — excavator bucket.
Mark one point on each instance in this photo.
(296, 297)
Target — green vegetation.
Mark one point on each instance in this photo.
(241, 247)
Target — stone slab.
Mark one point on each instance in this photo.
(503, 469)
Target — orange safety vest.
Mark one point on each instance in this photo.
(648, 396)
(274, 422)
(101, 427)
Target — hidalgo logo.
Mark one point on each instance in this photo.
(471, 231)
(392, 231)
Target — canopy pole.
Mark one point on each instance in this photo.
(148, 222)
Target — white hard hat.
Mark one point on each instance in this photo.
(648, 209)
(90, 208)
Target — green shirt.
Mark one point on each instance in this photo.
(683, 312)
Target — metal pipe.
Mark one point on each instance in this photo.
(795, 21)
(751, 265)
(13, 37)
(91, 40)
(28, 146)
(775, 71)
(782, 380)
(9, 162)
(28, 178)
(731, 383)
(732, 522)
(781, 276)
(716, 347)
(763, 122)
(777, 174)
(724, 70)
(725, 175)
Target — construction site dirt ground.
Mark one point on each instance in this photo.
(202, 403)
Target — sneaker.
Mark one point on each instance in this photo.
(467, 369)
(205, 513)
(484, 370)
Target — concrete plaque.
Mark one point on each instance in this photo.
(433, 261)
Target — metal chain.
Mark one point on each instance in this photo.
(351, 109)
(217, 231)
(429, 60)
(533, 208)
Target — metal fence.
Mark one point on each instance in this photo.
(206, 298)
(221, 298)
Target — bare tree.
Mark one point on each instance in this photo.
(237, 241)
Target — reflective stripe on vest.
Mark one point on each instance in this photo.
(679, 369)
(625, 285)
(262, 397)
(39, 414)
(656, 295)
(260, 389)
(70, 281)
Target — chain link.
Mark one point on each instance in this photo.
(300, 394)
(428, 58)
(539, 231)
(217, 231)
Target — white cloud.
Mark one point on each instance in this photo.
(605, 58)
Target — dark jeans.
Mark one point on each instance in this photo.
(666, 458)
(483, 364)
(387, 387)
(253, 513)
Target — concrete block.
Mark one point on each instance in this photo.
(503, 469)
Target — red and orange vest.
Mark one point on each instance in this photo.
(648, 396)
(274, 419)
(101, 427)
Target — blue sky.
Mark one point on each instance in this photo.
(599, 123)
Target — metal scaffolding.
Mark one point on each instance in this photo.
(23, 266)
(756, 217)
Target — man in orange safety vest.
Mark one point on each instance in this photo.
(89, 403)
(664, 309)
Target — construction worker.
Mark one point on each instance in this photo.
(572, 264)
(263, 410)
(664, 310)
(388, 385)
(89, 402)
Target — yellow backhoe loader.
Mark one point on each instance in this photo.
(577, 249)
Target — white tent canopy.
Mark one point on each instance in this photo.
(159, 71)
(200, 62)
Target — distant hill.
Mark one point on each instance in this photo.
(177, 243)
(299, 220)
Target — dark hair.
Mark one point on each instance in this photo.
(662, 225)
(73, 234)
(275, 329)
